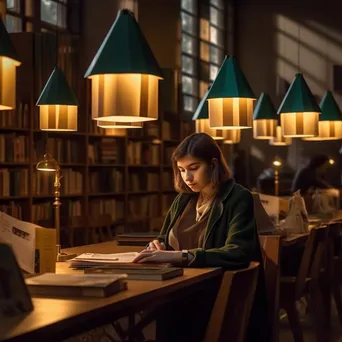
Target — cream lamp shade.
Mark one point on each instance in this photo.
(9, 62)
(279, 139)
(124, 75)
(330, 121)
(299, 111)
(265, 118)
(57, 104)
(120, 125)
(230, 98)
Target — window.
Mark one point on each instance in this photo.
(203, 46)
(21, 15)
(54, 12)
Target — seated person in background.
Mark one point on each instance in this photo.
(311, 176)
(211, 222)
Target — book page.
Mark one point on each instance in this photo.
(108, 258)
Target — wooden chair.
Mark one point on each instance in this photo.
(335, 260)
(92, 229)
(230, 315)
(306, 283)
(270, 245)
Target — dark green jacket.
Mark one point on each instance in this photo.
(231, 242)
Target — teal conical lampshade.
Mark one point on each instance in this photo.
(230, 98)
(299, 111)
(201, 117)
(57, 104)
(9, 61)
(330, 120)
(265, 118)
(124, 75)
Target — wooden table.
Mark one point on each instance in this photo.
(57, 319)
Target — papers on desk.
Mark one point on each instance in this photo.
(86, 260)
(33, 246)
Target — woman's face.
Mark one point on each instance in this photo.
(195, 173)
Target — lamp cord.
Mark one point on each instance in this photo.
(298, 57)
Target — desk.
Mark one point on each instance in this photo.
(57, 319)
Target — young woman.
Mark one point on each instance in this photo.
(211, 222)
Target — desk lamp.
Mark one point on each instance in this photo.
(49, 164)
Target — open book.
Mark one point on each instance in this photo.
(86, 260)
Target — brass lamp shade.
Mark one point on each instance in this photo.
(230, 98)
(8, 63)
(57, 104)
(124, 97)
(299, 111)
(231, 136)
(113, 125)
(124, 75)
(47, 164)
(279, 139)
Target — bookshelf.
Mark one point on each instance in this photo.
(128, 177)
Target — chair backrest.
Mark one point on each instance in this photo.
(230, 315)
(270, 246)
(313, 258)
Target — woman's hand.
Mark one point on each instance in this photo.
(159, 256)
(156, 245)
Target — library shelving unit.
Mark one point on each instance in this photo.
(128, 177)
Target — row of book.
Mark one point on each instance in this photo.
(13, 182)
(143, 153)
(14, 148)
(106, 151)
(17, 118)
(106, 180)
(43, 182)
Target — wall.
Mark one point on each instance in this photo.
(276, 39)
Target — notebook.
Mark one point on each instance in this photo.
(141, 272)
(76, 285)
(135, 239)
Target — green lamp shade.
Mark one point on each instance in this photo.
(230, 98)
(265, 118)
(330, 121)
(299, 111)
(9, 61)
(125, 50)
(57, 104)
(201, 111)
(124, 75)
(330, 109)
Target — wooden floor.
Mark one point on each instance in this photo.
(309, 335)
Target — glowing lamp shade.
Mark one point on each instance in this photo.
(279, 139)
(120, 125)
(57, 104)
(265, 118)
(231, 136)
(230, 98)
(330, 121)
(47, 164)
(299, 111)
(8, 64)
(124, 75)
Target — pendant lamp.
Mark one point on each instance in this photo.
(330, 121)
(230, 98)
(279, 139)
(231, 136)
(299, 111)
(265, 118)
(124, 75)
(201, 118)
(9, 61)
(57, 104)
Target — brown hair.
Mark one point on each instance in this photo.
(203, 147)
